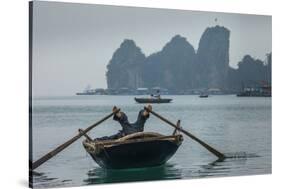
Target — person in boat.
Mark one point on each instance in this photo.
(157, 96)
(127, 127)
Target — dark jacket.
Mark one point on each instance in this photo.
(129, 128)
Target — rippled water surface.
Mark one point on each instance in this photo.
(238, 127)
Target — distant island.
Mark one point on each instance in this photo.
(179, 69)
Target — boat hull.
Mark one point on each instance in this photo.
(152, 100)
(204, 96)
(135, 154)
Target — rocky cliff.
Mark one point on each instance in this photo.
(125, 67)
(178, 67)
(171, 67)
(212, 58)
(250, 72)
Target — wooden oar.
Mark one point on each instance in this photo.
(220, 155)
(69, 142)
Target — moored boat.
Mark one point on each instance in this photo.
(264, 91)
(142, 149)
(204, 96)
(153, 100)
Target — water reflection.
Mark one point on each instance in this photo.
(218, 168)
(41, 180)
(215, 168)
(166, 171)
(233, 162)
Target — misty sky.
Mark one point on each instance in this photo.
(73, 43)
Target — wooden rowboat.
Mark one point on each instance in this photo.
(143, 149)
(136, 150)
(153, 100)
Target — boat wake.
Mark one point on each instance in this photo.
(240, 155)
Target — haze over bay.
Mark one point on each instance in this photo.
(71, 52)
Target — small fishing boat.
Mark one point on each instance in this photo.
(142, 149)
(153, 100)
(204, 96)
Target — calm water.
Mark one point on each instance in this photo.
(235, 126)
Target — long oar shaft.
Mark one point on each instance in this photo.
(69, 142)
(208, 147)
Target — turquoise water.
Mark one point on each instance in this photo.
(234, 126)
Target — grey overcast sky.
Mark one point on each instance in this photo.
(73, 43)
